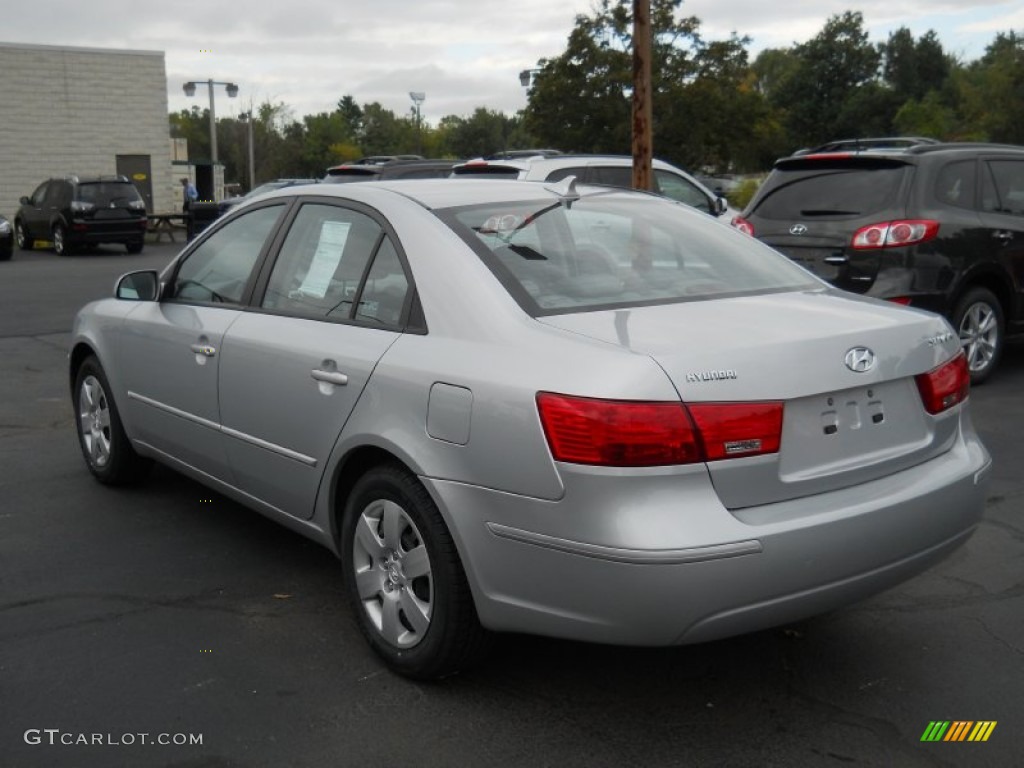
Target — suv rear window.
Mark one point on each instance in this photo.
(103, 193)
(615, 249)
(830, 188)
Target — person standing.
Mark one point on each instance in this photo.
(190, 195)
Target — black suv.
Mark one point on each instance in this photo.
(398, 167)
(76, 211)
(931, 225)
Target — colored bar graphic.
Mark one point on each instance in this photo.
(958, 730)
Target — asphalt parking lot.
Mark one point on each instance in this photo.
(169, 611)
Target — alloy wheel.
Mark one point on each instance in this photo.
(94, 418)
(979, 335)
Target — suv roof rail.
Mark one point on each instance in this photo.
(940, 146)
(864, 145)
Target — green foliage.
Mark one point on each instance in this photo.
(743, 193)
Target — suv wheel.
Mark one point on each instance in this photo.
(978, 318)
(25, 241)
(60, 241)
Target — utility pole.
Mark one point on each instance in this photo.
(643, 115)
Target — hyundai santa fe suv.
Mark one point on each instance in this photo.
(935, 226)
(77, 211)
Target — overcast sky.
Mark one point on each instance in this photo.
(461, 53)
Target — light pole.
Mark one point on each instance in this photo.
(527, 76)
(247, 116)
(190, 90)
(417, 98)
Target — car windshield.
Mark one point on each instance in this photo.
(617, 249)
(103, 193)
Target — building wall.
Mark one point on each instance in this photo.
(73, 110)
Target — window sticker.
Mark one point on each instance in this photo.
(333, 236)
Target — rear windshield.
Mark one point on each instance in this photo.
(615, 249)
(352, 173)
(103, 193)
(829, 189)
(487, 171)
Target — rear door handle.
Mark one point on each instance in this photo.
(204, 349)
(329, 377)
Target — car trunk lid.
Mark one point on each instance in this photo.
(840, 427)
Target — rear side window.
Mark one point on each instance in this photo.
(955, 184)
(830, 189)
(1008, 193)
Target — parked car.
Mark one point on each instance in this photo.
(227, 204)
(613, 170)
(6, 239)
(396, 168)
(581, 412)
(77, 211)
(935, 226)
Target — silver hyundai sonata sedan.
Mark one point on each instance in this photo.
(510, 406)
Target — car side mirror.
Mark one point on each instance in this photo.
(138, 286)
(721, 205)
(24, 200)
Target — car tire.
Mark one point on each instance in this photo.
(978, 319)
(134, 247)
(22, 237)
(404, 578)
(106, 448)
(61, 246)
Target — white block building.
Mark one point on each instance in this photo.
(84, 111)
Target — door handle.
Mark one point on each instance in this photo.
(1003, 235)
(329, 377)
(204, 349)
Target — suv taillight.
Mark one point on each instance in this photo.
(625, 433)
(895, 234)
(945, 386)
(742, 225)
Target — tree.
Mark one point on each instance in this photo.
(832, 68)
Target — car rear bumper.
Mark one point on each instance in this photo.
(662, 562)
(121, 231)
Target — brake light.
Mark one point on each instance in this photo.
(902, 300)
(623, 433)
(895, 234)
(945, 386)
(742, 225)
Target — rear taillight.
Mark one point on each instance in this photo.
(903, 300)
(731, 430)
(742, 225)
(945, 386)
(895, 234)
(623, 433)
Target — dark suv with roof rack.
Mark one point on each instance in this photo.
(398, 167)
(930, 225)
(76, 211)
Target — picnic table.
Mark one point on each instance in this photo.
(161, 224)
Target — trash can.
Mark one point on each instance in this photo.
(200, 214)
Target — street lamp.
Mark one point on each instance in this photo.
(418, 98)
(190, 91)
(248, 118)
(527, 76)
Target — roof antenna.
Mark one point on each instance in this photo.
(566, 190)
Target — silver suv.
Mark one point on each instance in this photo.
(610, 170)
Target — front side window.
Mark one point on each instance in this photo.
(614, 249)
(337, 263)
(220, 268)
(40, 194)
